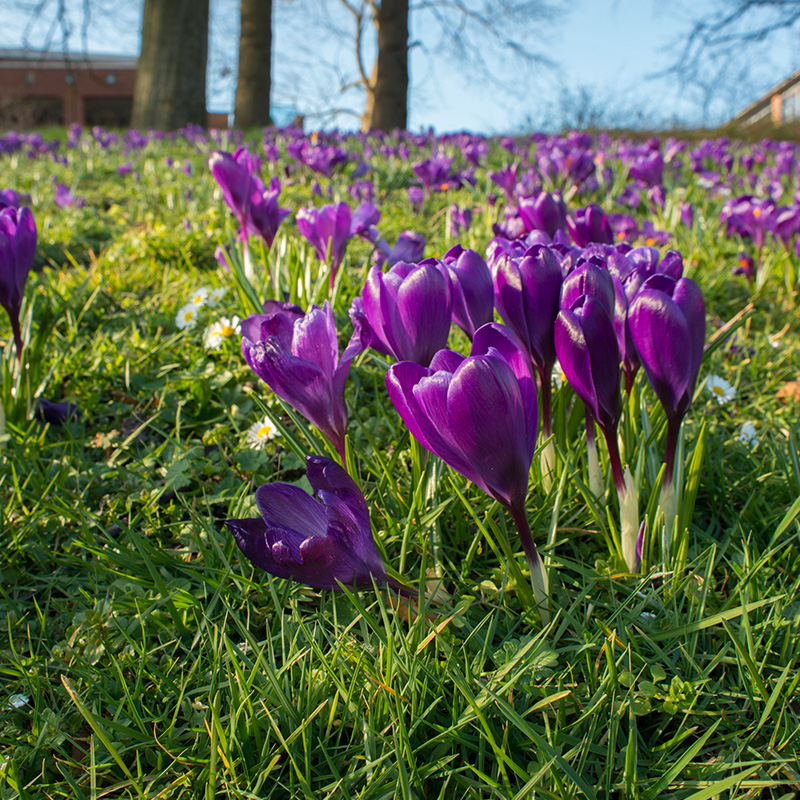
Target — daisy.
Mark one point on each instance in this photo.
(199, 297)
(557, 376)
(186, 316)
(261, 433)
(747, 435)
(215, 296)
(216, 333)
(723, 391)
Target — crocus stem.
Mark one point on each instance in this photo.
(17, 332)
(547, 459)
(615, 459)
(673, 432)
(539, 581)
(596, 483)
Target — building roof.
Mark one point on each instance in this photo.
(760, 107)
(43, 59)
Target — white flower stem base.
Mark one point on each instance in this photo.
(547, 463)
(668, 503)
(629, 521)
(596, 482)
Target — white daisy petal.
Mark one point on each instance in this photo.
(747, 435)
(186, 316)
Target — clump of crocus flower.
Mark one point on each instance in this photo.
(324, 542)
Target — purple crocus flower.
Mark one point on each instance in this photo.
(264, 215)
(526, 295)
(479, 415)
(320, 542)
(667, 324)
(460, 219)
(17, 250)
(9, 199)
(234, 173)
(408, 310)
(297, 356)
(329, 228)
(473, 297)
(409, 247)
(65, 198)
(545, 212)
(589, 225)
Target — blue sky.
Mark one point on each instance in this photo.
(606, 50)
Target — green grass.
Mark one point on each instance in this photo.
(156, 662)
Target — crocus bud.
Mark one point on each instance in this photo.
(588, 225)
(409, 310)
(17, 250)
(473, 296)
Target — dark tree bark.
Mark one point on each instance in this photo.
(171, 78)
(387, 90)
(251, 109)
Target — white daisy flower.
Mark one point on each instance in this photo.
(186, 316)
(17, 701)
(215, 296)
(773, 342)
(216, 333)
(261, 433)
(199, 297)
(723, 391)
(747, 435)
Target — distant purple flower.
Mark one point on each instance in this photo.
(506, 178)
(125, 169)
(9, 199)
(588, 225)
(409, 247)
(545, 212)
(264, 215)
(65, 198)
(434, 173)
(408, 310)
(329, 228)
(416, 197)
(319, 542)
(297, 356)
(460, 219)
(687, 214)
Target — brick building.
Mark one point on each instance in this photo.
(780, 105)
(39, 88)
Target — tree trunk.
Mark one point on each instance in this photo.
(171, 79)
(251, 109)
(387, 94)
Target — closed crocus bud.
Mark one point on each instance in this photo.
(473, 294)
(17, 250)
(409, 310)
(687, 214)
(588, 225)
(320, 542)
(648, 261)
(545, 212)
(589, 278)
(297, 356)
(667, 324)
(586, 346)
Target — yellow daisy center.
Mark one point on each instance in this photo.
(187, 316)
(718, 390)
(226, 331)
(264, 431)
